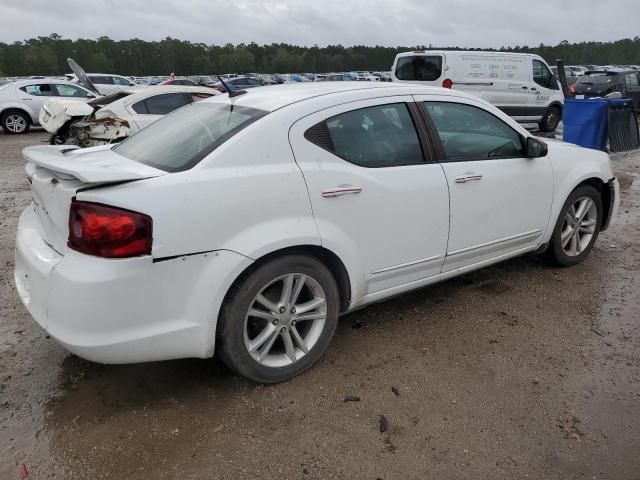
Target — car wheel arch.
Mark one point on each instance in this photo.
(335, 265)
(605, 195)
(9, 110)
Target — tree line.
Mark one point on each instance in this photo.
(47, 56)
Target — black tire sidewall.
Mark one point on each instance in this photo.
(544, 124)
(230, 334)
(557, 253)
(6, 115)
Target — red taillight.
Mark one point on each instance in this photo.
(108, 232)
(447, 83)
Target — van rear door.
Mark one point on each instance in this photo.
(419, 67)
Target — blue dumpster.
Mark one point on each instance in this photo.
(585, 122)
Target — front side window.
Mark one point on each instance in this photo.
(42, 90)
(541, 74)
(425, 68)
(179, 141)
(471, 133)
(373, 137)
(70, 91)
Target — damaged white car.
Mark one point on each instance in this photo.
(113, 118)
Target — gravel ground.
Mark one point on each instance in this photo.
(515, 371)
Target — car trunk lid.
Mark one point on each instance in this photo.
(58, 172)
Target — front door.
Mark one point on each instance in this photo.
(543, 91)
(379, 201)
(500, 200)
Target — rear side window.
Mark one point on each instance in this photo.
(179, 141)
(373, 137)
(120, 81)
(543, 76)
(160, 104)
(470, 133)
(101, 79)
(43, 90)
(70, 91)
(426, 68)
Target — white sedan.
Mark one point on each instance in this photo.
(112, 118)
(246, 225)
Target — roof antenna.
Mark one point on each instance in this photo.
(232, 93)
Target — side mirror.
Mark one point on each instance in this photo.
(536, 148)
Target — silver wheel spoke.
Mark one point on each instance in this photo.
(310, 305)
(298, 288)
(574, 242)
(262, 337)
(566, 236)
(287, 286)
(299, 340)
(311, 316)
(289, 349)
(262, 300)
(585, 205)
(274, 334)
(261, 314)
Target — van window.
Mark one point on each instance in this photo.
(632, 80)
(425, 68)
(470, 133)
(541, 74)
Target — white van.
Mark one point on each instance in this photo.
(520, 84)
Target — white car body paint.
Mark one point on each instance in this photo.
(259, 192)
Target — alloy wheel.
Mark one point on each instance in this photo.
(579, 226)
(285, 320)
(15, 123)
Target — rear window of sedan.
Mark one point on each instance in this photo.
(180, 140)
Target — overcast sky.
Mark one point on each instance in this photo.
(465, 23)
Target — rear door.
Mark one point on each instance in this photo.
(500, 201)
(377, 197)
(34, 96)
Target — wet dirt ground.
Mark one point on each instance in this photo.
(516, 371)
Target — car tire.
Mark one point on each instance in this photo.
(15, 122)
(573, 237)
(261, 335)
(550, 120)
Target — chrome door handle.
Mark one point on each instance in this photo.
(26, 99)
(467, 178)
(337, 191)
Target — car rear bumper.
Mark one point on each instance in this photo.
(123, 310)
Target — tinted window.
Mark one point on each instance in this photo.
(163, 104)
(180, 140)
(470, 133)
(598, 78)
(380, 136)
(70, 91)
(101, 79)
(541, 74)
(43, 90)
(420, 68)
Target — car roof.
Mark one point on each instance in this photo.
(274, 97)
(466, 52)
(155, 89)
(36, 81)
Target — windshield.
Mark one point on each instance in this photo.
(597, 79)
(180, 140)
